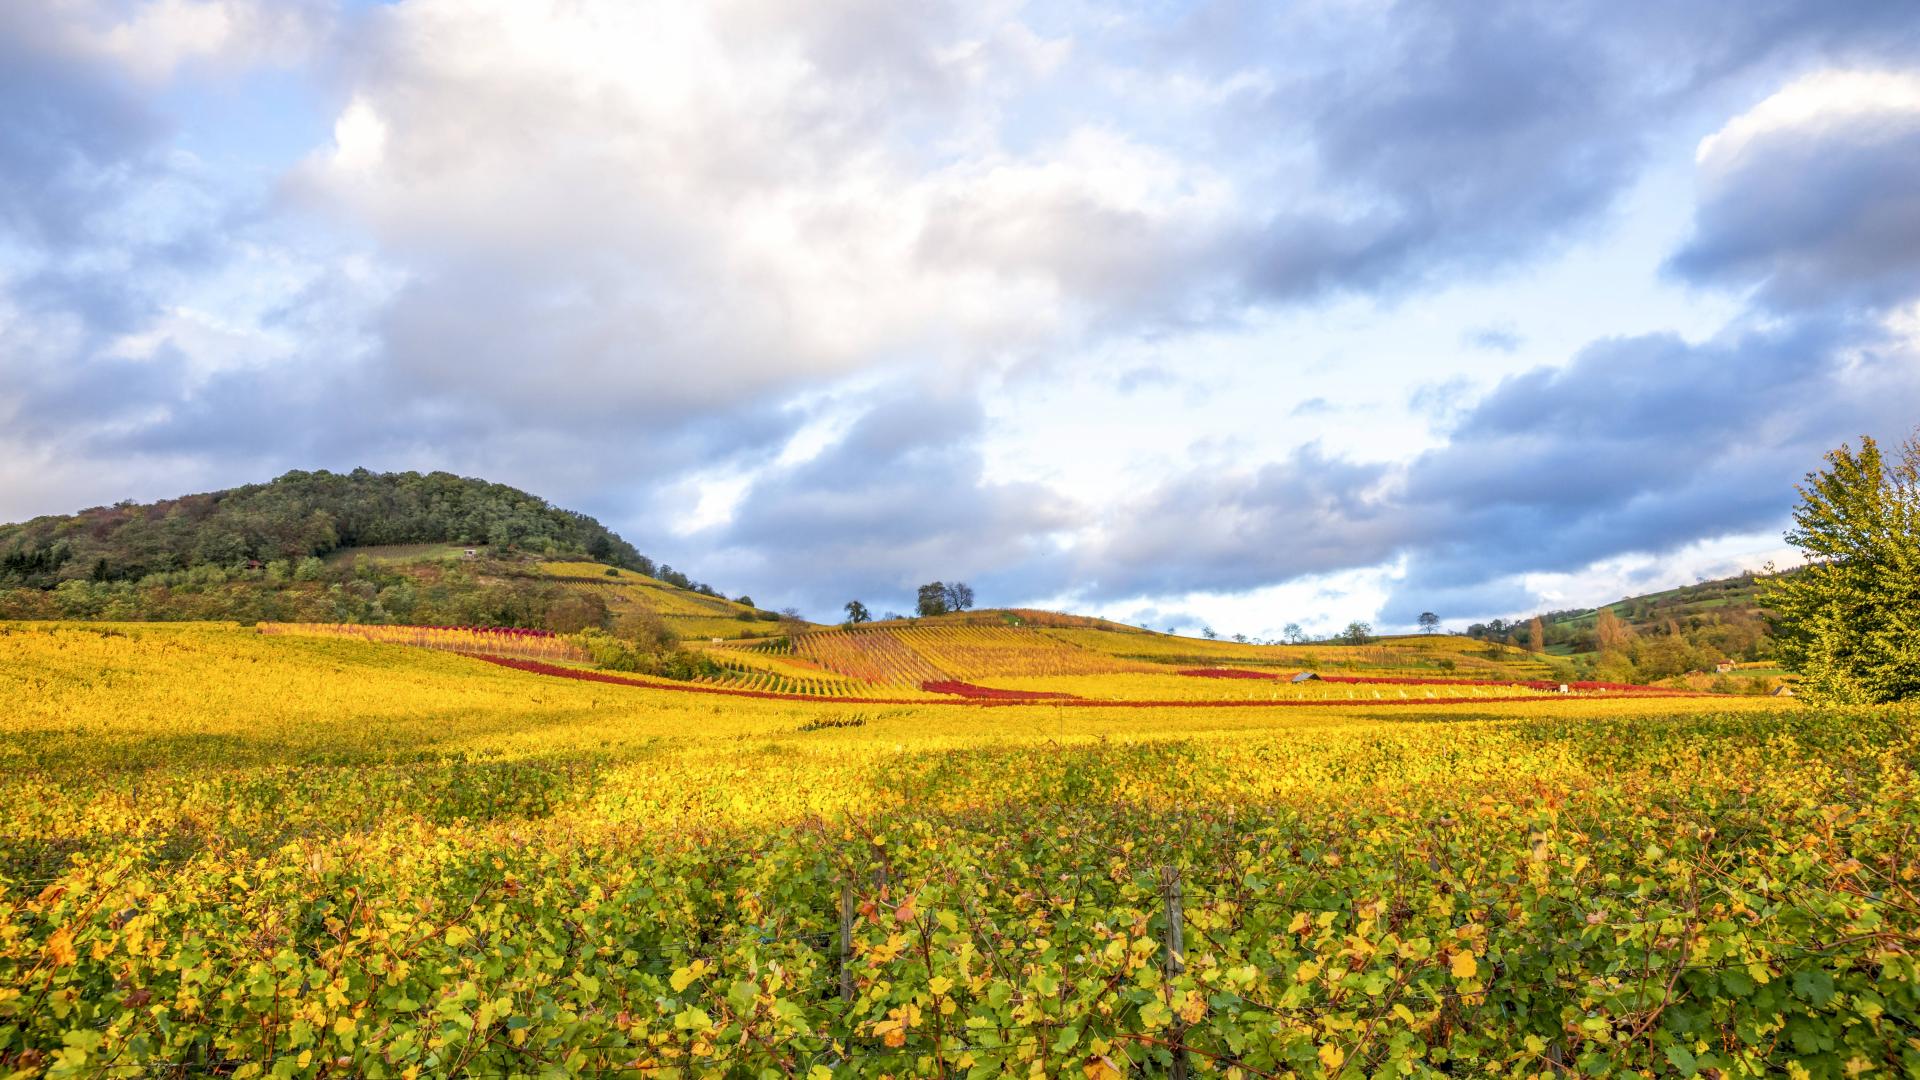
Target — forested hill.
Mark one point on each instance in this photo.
(298, 515)
(1691, 628)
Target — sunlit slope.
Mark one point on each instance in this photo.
(1093, 658)
(691, 615)
(1434, 655)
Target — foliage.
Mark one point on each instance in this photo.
(932, 599)
(323, 857)
(1850, 621)
(1718, 620)
(857, 613)
(295, 517)
(644, 656)
(494, 641)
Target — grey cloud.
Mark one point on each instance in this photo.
(68, 134)
(1816, 215)
(900, 498)
(1225, 531)
(1640, 445)
(1468, 135)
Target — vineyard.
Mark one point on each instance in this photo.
(691, 615)
(992, 661)
(492, 641)
(239, 854)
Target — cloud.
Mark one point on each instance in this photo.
(1215, 530)
(603, 251)
(1646, 444)
(1810, 195)
(900, 498)
(1503, 339)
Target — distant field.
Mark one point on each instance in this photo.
(231, 853)
(1106, 662)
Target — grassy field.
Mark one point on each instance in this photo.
(241, 854)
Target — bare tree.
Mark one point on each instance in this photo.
(959, 596)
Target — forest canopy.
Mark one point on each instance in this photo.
(298, 515)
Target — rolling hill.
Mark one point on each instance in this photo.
(358, 547)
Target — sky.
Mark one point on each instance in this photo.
(1228, 314)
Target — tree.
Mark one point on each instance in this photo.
(1536, 635)
(932, 599)
(1209, 633)
(1357, 633)
(1293, 634)
(959, 596)
(1429, 622)
(857, 612)
(1849, 621)
(1241, 638)
(1609, 633)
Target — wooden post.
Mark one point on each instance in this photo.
(846, 941)
(1176, 960)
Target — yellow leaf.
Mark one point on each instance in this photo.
(1332, 1056)
(939, 984)
(684, 977)
(1465, 966)
(60, 946)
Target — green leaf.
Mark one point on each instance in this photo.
(1813, 985)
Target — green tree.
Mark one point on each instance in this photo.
(1849, 621)
(857, 612)
(1357, 633)
(932, 599)
(1429, 622)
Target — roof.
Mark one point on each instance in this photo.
(1305, 676)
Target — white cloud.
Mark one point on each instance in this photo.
(1813, 101)
(695, 205)
(152, 39)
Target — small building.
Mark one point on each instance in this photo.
(1305, 676)
(1563, 689)
(1783, 690)
(1725, 667)
(470, 553)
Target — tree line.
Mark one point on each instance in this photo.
(302, 515)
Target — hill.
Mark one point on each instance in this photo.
(358, 547)
(298, 515)
(1656, 635)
